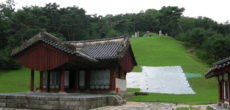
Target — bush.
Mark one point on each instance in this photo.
(181, 37)
(217, 47)
(209, 108)
(196, 36)
(6, 61)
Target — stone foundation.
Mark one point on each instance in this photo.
(223, 105)
(55, 101)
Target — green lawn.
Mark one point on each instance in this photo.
(165, 51)
(16, 80)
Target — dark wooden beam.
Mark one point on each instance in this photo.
(77, 80)
(32, 81)
(48, 81)
(40, 81)
(87, 79)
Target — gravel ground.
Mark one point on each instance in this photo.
(152, 106)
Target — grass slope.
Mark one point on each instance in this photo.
(165, 51)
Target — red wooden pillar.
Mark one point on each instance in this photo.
(62, 81)
(48, 81)
(32, 81)
(40, 81)
(112, 79)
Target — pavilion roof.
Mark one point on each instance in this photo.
(108, 48)
(93, 50)
(221, 64)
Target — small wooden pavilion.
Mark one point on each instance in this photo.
(75, 66)
(221, 70)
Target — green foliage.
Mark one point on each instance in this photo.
(113, 33)
(218, 47)
(204, 55)
(209, 108)
(6, 62)
(196, 36)
(165, 51)
(206, 36)
(169, 19)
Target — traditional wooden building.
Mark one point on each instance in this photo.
(73, 66)
(221, 70)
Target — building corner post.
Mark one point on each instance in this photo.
(32, 81)
(40, 81)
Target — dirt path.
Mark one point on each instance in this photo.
(151, 106)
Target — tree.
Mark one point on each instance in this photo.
(6, 12)
(169, 19)
(196, 36)
(218, 47)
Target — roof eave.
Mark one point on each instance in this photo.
(208, 75)
(52, 41)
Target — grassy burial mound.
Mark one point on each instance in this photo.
(165, 51)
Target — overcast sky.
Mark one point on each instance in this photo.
(218, 10)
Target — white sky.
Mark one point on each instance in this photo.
(218, 10)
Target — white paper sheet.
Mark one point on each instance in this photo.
(166, 79)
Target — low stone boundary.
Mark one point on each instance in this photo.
(52, 101)
(126, 95)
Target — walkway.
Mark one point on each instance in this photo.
(152, 106)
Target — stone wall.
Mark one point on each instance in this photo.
(35, 102)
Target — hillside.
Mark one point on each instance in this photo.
(149, 51)
(165, 51)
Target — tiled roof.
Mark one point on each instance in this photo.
(102, 51)
(103, 48)
(226, 60)
(216, 66)
(93, 50)
(53, 41)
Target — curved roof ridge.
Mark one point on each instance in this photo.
(82, 44)
(94, 40)
(222, 61)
